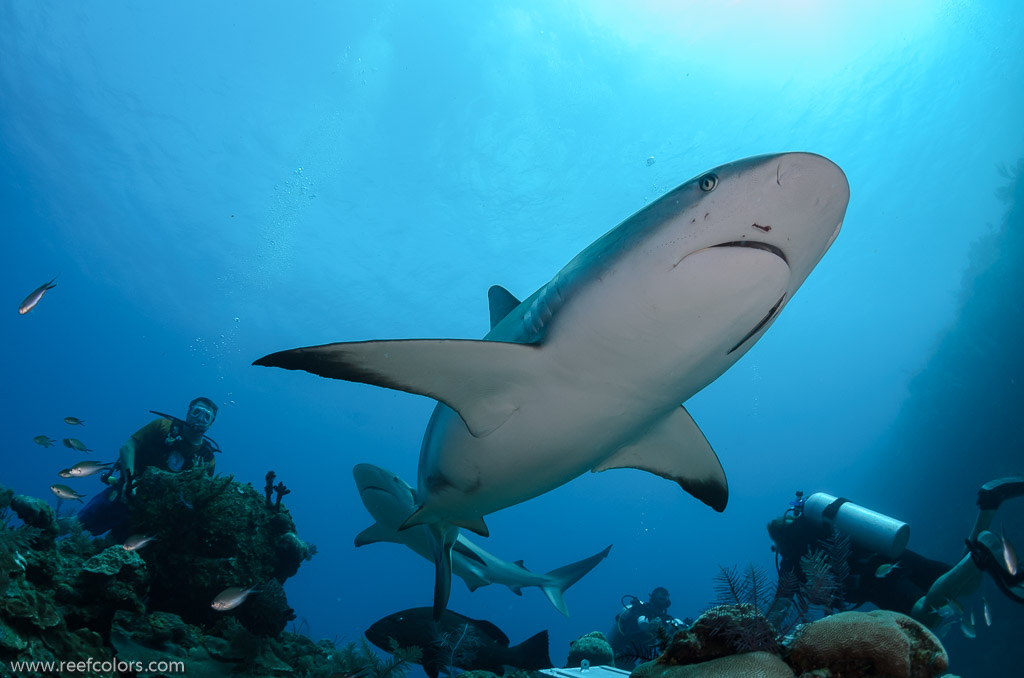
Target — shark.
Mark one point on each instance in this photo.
(390, 500)
(591, 371)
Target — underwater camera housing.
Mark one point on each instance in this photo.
(867, 529)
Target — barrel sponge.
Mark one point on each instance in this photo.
(748, 665)
(873, 643)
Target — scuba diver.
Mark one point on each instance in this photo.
(883, 571)
(635, 631)
(167, 443)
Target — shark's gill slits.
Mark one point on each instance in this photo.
(764, 321)
(757, 245)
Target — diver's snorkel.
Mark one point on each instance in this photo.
(867, 529)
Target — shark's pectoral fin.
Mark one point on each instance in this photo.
(676, 449)
(464, 548)
(375, 533)
(478, 379)
(501, 302)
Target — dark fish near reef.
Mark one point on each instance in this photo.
(33, 299)
(458, 641)
(230, 598)
(76, 444)
(136, 542)
(65, 492)
(74, 421)
(44, 441)
(85, 468)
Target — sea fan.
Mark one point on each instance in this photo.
(837, 548)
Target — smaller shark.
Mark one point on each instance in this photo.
(390, 500)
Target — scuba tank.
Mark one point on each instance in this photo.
(867, 529)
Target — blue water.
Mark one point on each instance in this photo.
(217, 182)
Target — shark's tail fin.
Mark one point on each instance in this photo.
(564, 577)
(531, 654)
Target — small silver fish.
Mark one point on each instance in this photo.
(76, 444)
(1009, 555)
(230, 598)
(74, 421)
(136, 542)
(987, 611)
(65, 473)
(85, 468)
(44, 441)
(37, 294)
(65, 492)
(885, 568)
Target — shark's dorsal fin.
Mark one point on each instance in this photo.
(676, 449)
(520, 563)
(376, 533)
(501, 303)
(480, 380)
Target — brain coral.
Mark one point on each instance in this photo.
(878, 643)
(748, 665)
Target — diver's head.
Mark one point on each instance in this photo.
(659, 598)
(201, 413)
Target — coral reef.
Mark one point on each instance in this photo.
(878, 643)
(67, 597)
(847, 644)
(760, 664)
(593, 647)
(212, 534)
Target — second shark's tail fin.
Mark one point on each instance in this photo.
(564, 577)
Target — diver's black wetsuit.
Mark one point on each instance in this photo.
(898, 590)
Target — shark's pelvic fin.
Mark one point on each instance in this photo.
(564, 577)
(475, 525)
(478, 379)
(676, 449)
(501, 303)
(376, 533)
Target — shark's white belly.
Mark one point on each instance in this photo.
(623, 354)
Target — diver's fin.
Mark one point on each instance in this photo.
(478, 379)
(375, 533)
(501, 303)
(675, 449)
(442, 569)
(564, 577)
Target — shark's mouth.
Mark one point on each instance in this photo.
(757, 245)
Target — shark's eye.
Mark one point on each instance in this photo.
(708, 182)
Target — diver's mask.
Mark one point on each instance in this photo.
(199, 418)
